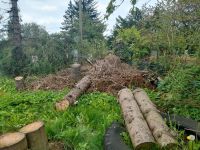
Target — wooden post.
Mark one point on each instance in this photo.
(13, 141)
(76, 72)
(138, 129)
(19, 81)
(157, 125)
(36, 136)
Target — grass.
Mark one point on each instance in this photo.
(81, 127)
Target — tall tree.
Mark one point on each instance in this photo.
(14, 33)
(69, 17)
(92, 27)
(90, 18)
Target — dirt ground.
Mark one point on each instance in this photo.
(56, 146)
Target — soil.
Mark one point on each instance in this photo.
(56, 146)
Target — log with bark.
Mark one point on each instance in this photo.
(36, 136)
(76, 92)
(157, 125)
(138, 129)
(13, 141)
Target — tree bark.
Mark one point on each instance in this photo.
(76, 92)
(138, 129)
(20, 85)
(36, 136)
(157, 125)
(13, 141)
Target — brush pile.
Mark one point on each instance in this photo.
(56, 81)
(107, 75)
(111, 75)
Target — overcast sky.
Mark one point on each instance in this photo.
(49, 13)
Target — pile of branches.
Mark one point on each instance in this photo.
(59, 81)
(107, 75)
(56, 81)
(111, 75)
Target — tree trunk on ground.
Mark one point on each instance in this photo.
(72, 96)
(36, 136)
(20, 85)
(138, 129)
(160, 130)
(13, 141)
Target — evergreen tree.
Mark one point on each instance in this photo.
(92, 24)
(69, 17)
(88, 8)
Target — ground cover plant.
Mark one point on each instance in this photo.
(81, 127)
(78, 127)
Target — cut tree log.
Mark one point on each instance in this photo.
(13, 141)
(36, 136)
(138, 129)
(72, 96)
(157, 125)
(19, 81)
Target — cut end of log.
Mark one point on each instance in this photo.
(10, 139)
(75, 65)
(32, 127)
(62, 106)
(19, 78)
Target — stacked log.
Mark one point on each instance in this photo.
(138, 129)
(36, 136)
(76, 92)
(13, 141)
(157, 125)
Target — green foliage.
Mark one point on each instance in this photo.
(169, 27)
(81, 127)
(44, 53)
(78, 127)
(92, 27)
(112, 6)
(179, 92)
(130, 44)
(126, 138)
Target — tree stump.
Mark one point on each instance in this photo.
(13, 141)
(36, 136)
(19, 81)
(138, 129)
(157, 125)
(76, 72)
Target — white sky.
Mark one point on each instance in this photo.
(49, 13)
